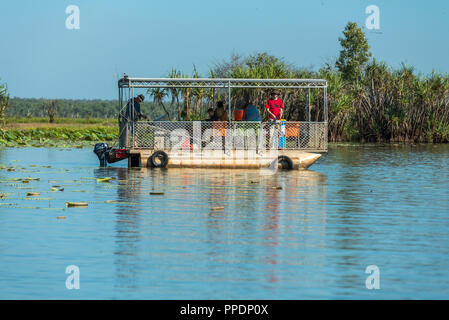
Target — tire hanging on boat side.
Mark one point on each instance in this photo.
(286, 162)
(159, 159)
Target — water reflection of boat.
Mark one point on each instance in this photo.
(278, 212)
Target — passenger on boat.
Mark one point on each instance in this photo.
(220, 112)
(275, 106)
(211, 114)
(137, 114)
(251, 112)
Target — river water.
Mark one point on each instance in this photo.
(293, 235)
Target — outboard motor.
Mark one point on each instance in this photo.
(102, 152)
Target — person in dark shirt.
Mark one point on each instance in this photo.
(211, 114)
(220, 112)
(251, 112)
(136, 115)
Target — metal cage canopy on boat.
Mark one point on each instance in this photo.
(216, 83)
(220, 144)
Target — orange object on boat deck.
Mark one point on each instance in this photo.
(219, 128)
(292, 129)
(238, 114)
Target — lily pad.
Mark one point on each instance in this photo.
(32, 194)
(107, 179)
(76, 204)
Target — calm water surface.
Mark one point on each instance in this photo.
(313, 239)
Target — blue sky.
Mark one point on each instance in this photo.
(40, 57)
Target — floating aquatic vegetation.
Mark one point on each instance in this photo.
(38, 199)
(14, 185)
(76, 204)
(8, 204)
(107, 179)
(53, 209)
(121, 202)
(32, 194)
(69, 181)
(60, 137)
(25, 180)
(16, 206)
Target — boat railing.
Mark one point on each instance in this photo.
(217, 135)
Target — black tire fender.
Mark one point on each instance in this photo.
(159, 159)
(286, 162)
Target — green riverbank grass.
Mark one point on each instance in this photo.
(14, 121)
(60, 136)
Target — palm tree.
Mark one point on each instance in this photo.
(158, 97)
(174, 92)
(198, 95)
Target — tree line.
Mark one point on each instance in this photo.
(68, 108)
(368, 100)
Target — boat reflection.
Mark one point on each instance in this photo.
(240, 218)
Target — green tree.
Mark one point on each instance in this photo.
(4, 102)
(158, 95)
(50, 107)
(355, 53)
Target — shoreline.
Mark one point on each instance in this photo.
(85, 131)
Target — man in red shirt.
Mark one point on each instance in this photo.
(275, 106)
